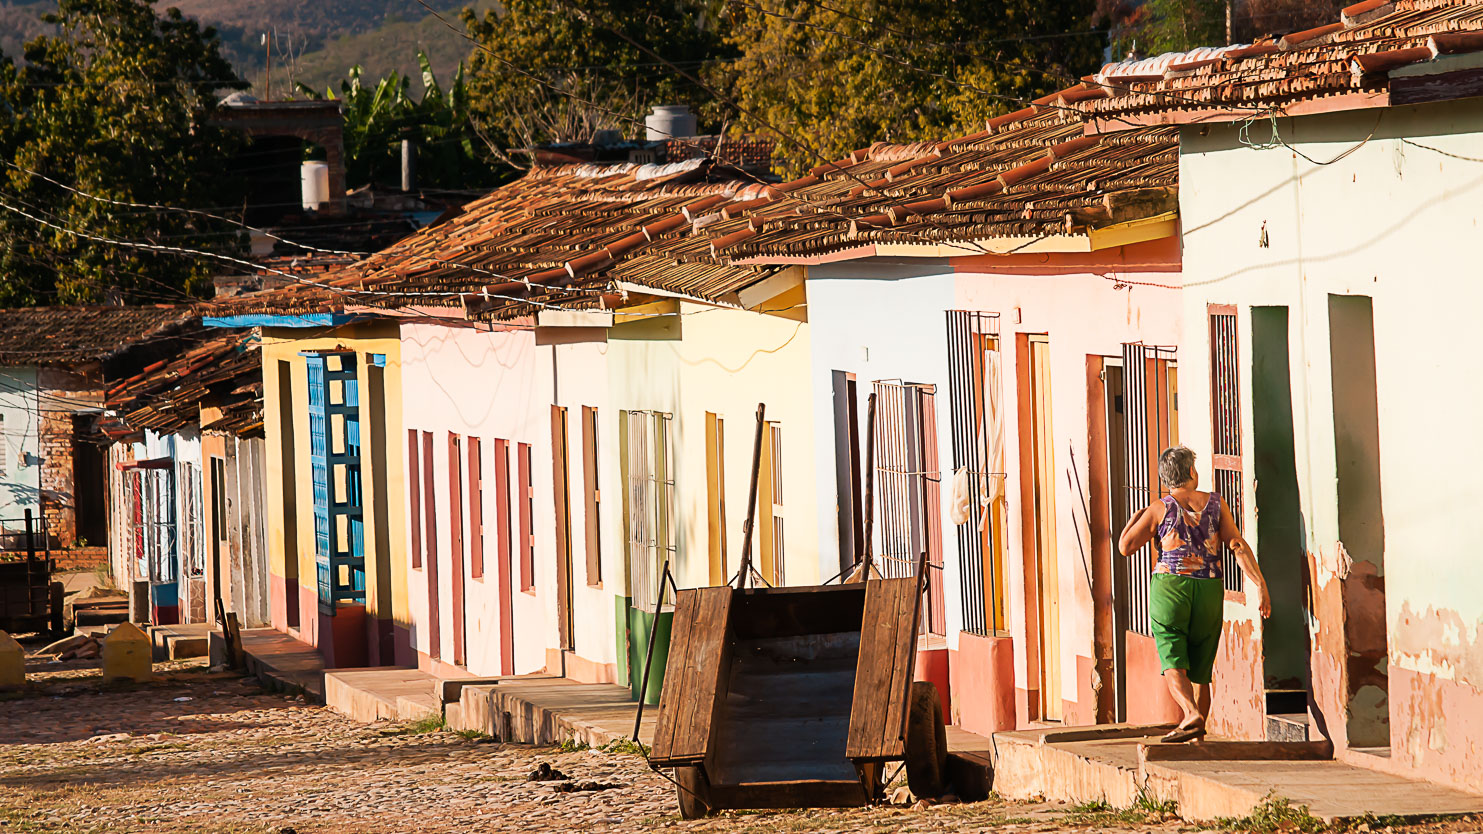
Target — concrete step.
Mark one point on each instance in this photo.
(283, 663)
(1210, 779)
(380, 693)
(1292, 727)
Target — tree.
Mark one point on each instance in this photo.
(1152, 27)
(824, 77)
(118, 104)
(559, 70)
(378, 118)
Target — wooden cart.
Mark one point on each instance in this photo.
(796, 697)
(29, 599)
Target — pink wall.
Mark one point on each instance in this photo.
(1089, 304)
(489, 385)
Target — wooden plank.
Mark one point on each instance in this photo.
(672, 695)
(908, 614)
(704, 667)
(883, 671)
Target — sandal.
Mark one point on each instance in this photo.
(1182, 734)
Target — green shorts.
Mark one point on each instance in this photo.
(1186, 614)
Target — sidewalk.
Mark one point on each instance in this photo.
(282, 662)
(1212, 779)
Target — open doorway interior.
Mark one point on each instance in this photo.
(1280, 533)
(1361, 517)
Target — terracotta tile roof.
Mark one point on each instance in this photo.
(568, 230)
(1313, 68)
(1031, 176)
(220, 370)
(575, 236)
(64, 336)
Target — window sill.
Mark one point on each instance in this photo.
(1236, 596)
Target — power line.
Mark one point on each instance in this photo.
(298, 244)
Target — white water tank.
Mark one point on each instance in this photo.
(314, 182)
(669, 121)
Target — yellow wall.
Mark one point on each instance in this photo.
(286, 345)
(723, 362)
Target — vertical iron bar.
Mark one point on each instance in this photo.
(867, 547)
(744, 574)
(638, 719)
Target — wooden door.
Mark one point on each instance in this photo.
(1047, 573)
(455, 543)
(505, 557)
(430, 545)
(560, 477)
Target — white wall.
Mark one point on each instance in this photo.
(20, 479)
(881, 322)
(1391, 220)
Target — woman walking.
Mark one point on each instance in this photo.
(1186, 594)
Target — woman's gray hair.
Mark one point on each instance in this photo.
(1176, 465)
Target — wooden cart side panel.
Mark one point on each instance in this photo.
(671, 696)
(692, 678)
(884, 671)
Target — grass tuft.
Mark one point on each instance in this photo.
(430, 723)
(1277, 813)
(626, 747)
(1100, 812)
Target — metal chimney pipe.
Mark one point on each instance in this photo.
(409, 165)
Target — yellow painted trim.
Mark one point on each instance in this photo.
(1134, 231)
(639, 312)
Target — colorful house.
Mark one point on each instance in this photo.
(188, 473)
(554, 420)
(980, 281)
(1329, 235)
(53, 363)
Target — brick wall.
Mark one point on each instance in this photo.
(56, 476)
(80, 558)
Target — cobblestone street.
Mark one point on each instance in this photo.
(209, 752)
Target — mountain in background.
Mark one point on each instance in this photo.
(314, 42)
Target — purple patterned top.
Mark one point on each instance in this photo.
(1190, 545)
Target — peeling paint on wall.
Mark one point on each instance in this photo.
(1238, 700)
(1438, 642)
(1438, 728)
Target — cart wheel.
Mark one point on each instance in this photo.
(926, 742)
(694, 791)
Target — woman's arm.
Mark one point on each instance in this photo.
(1140, 530)
(1231, 535)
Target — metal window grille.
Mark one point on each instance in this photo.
(972, 339)
(650, 499)
(1225, 421)
(775, 443)
(157, 525)
(192, 544)
(334, 463)
(1148, 428)
(910, 490)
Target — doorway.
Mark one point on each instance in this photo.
(560, 481)
(1117, 496)
(1361, 516)
(1042, 530)
(1280, 538)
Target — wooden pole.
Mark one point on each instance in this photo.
(868, 529)
(745, 572)
(638, 719)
